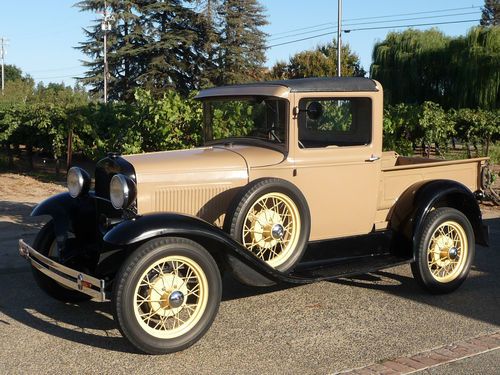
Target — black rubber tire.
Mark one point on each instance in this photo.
(420, 269)
(250, 194)
(42, 244)
(128, 277)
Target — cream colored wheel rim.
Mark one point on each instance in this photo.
(447, 252)
(157, 311)
(271, 228)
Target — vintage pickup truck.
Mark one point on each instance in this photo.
(298, 191)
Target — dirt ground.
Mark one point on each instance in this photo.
(18, 195)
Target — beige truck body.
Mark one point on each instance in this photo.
(349, 190)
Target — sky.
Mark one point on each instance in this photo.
(42, 34)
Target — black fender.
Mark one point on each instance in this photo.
(68, 213)
(131, 233)
(418, 200)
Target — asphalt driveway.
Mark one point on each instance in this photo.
(319, 328)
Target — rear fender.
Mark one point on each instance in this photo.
(131, 233)
(418, 200)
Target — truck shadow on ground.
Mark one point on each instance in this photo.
(91, 323)
(477, 298)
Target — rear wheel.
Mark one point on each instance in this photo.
(445, 251)
(167, 295)
(45, 244)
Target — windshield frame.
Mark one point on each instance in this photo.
(245, 140)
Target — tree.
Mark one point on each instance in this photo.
(58, 93)
(175, 52)
(124, 42)
(241, 42)
(473, 70)
(12, 73)
(209, 18)
(417, 66)
(157, 45)
(320, 62)
(491, 13)
(19, 87)
(410, 65)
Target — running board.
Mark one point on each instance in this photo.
(347, 267)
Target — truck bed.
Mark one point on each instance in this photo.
(400, 172)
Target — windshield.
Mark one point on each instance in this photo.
(253, 119)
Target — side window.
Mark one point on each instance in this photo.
(335, 122)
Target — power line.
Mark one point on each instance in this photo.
(375, 17)
(304, 28)
(50, 77)
(55, 69)
(414, 25)
(374, 22)
(414, 13)
(371, 28)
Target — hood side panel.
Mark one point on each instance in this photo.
(200, 182)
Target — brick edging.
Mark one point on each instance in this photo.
(432, 358)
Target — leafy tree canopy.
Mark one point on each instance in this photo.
(417, 66)
(320, 62)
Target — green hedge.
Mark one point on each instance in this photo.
(173, 122)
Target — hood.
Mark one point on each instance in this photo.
(200, 181)
(256, 156)
(191, 164)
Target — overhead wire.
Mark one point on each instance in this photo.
(378, 17)
(53, 77)
(374, 22)
(371, 28)
(348, 23)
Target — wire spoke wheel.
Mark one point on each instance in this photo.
(444, 250)
(447, 252)
(167, 294)
(271, 228)
(171, 297)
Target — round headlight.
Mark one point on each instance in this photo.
(78, 182)
(121, 191)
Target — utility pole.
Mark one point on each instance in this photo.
(339, 38)
(105, 27)
(3, 43)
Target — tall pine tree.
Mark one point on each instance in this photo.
(491, 13)
(124, 39)
(242, 42)
(158, 45)
(176, 50)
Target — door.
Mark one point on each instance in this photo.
(338, 163)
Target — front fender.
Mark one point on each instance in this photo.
(418, 200)
(217, 242)
(76, 214)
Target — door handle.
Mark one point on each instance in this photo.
(373, 158)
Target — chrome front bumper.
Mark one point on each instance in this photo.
(63, 275)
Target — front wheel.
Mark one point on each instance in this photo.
(167, 295)
(444, 251)
(270, 217)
